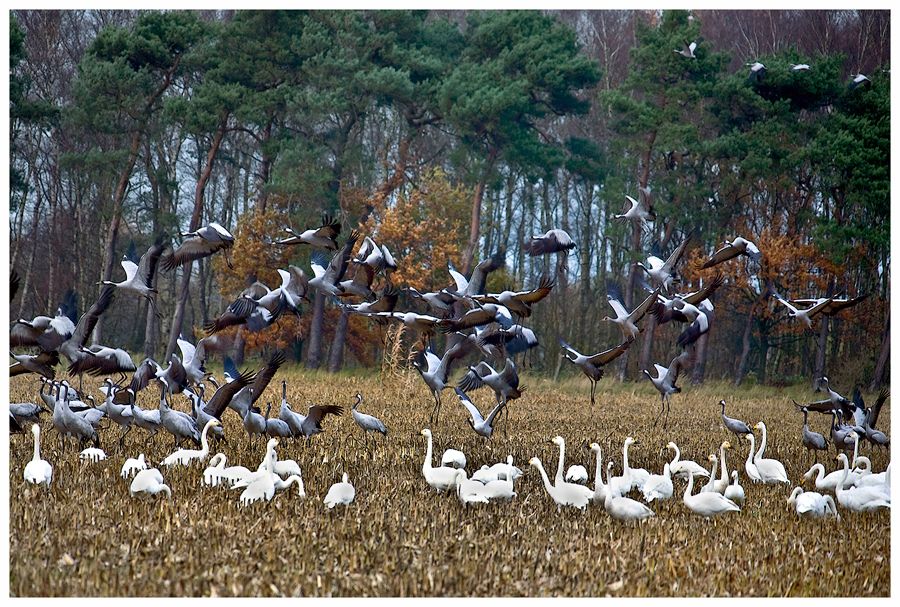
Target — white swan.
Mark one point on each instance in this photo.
(600, 488)
(38, 471)
(659, 486)
(860, 499)
(213, 473)
(830, 481)
(707, 504)
(680, 467)
(810, 503)
(294, 479)
(501, 489)
(624, 508)
(442, 478)
(722, 482)
(502, 469)
(564, 494)
(710, 485)
(184, 457)
(453, 458)
(149, 482)
(867, 478)
(340, 494)
(770, 470)
(93, 455)
(577, 474)
(261, 484)
(734, 491)
(469, 491)
(636, 476)
(484, 475)
(749, 465)
(133, 465)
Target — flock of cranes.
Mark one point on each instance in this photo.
(474, 321)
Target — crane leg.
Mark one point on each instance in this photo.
(662, 402)
(593, 390)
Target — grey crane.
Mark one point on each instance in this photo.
(665, 382)
(146, 419)
(386, 301)
(876, 437)
(120, 415)
(277, 427)
(551, 241)
(68, 423)
(592, 365)
(736, 426)
(436, 372)
(180, 425)
(25, 413)
(201, 243)
(757, 71)
(254, 423)
(519, 302)
(42, 364)
(102, 360)
(249, 394)
(813, 441)
(249, 312)
(637, 212)
(834, 306)
(327, 277)
(662, 273)
(806, 315)
(627, 321)
(368, 423)
(45, 331)
(482, 426)
(737, 247)
(504, 383)
(688, 50)
(322, 237)
(309, 424)
(72, 347)
(140, 278)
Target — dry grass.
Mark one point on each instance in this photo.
(87, 537)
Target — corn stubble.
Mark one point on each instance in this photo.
(86, 536)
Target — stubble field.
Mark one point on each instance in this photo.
(86, 536)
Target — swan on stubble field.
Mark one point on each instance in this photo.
(38, 471)
(442, 478)
(469, 491)
(564, 494)
(501, 489)
(810, 503)
(624, 508)
(149, 482)
(860, 499)
(770, 470)
(707, 504)
(659, 486)
(132, 466)
(680, 468)
(184, 457)
(734, 491)
(749, 465)
(340, 494)
(829, 482)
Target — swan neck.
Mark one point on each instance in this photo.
(690, 486)
(598, 473)
(762, 443)
(426, 465)
(562, 457)
(37, 445)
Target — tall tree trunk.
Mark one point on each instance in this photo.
(884, 356)
(196, 215)
(336, 356)
(700, 350)
(314, 343)
(745, 350)
(643, 180)
(475, 220)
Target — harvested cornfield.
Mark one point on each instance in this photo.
(86, 536)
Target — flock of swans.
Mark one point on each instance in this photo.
(858, 490)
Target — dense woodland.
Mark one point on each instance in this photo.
(452, 136)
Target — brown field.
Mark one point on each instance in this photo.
(87, 537)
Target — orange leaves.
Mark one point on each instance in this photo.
(253, 255)
(424, 229)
